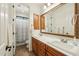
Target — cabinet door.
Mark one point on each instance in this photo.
(38, 47)
(41, 48)
(53, 51)
(34, 46)
(41, 52)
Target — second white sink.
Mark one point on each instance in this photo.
(62, 45)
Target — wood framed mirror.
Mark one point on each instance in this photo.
(61, 20)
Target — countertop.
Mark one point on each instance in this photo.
(69, 50)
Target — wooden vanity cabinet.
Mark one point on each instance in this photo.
(34, 46)
(41, 49)
(38, 47)
(52, 52)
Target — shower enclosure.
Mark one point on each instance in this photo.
(21, 30)
(22, 24)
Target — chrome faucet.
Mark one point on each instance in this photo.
(64, 40)
(40, 34)
(63, 29)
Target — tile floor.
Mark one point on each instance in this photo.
(23, 51)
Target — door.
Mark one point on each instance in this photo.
(13, 14)
(6, 29)
(3, 28)
(11, 29)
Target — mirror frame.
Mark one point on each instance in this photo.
(65, 35)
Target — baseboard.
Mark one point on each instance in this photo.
(20, 44)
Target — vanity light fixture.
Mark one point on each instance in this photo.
(45, 6)
(48, 4)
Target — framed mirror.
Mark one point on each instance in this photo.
(59, 20)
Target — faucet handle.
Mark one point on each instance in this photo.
(64, 40)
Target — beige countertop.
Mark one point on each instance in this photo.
(70, 50)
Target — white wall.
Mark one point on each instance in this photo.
(43, 11)
(34, 8)
(22, 10)
(3, 32)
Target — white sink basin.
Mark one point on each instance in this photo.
(62, 45)
(48, 39)
(66, 47)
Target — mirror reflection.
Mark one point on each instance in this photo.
(59, 20)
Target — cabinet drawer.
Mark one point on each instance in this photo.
(53, 51)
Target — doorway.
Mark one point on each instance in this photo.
(21, 30)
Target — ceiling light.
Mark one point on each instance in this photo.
(44, 6)
(48, 4)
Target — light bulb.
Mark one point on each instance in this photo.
(44, 6)
(48, 4)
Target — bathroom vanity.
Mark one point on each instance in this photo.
(38, 47)
(58, 23)
(46, 46)
(42, 49)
